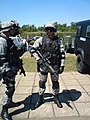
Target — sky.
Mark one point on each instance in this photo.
(39, 12)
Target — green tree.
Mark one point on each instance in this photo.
(40, 28)
(73, 26)
(33, 28)
(25, 28)
(60, 28)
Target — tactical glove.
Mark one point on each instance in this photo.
(61, 69)
(39, 61)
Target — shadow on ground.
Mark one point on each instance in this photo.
(65, 97)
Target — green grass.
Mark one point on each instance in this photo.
(70, 62)
(31, 66)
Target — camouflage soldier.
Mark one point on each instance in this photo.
(51, 47)
(9, 63)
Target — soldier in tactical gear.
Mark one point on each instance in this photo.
(9, 63)
(51, 47)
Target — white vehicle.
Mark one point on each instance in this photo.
(35, 37)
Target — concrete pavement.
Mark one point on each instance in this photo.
(74, 96)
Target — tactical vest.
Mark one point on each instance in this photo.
(51, 49)
(3, 51)
(9, 57)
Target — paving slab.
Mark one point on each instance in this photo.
(74, 96)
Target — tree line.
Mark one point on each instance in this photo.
(59, 27)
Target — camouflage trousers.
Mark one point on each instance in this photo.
(9, 82)
(43, 79)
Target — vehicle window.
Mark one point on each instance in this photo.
(78, 30)
(88, 31)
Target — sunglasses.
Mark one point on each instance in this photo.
(49, 29)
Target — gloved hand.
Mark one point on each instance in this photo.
(39, 61)
(61, 69)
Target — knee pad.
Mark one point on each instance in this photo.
(42, 84)
(55, 84)
(43, 77)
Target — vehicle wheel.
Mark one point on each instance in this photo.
(81, 67)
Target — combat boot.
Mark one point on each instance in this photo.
(57, 102)
(4, 113)
(40, 101)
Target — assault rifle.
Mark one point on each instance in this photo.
(47, 63)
